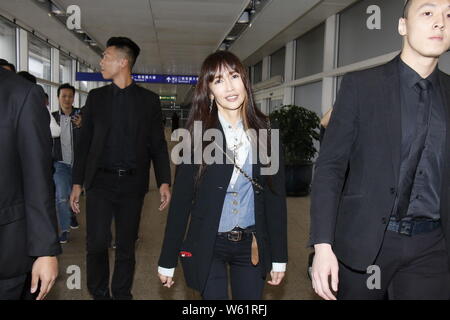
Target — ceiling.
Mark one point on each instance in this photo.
(175, 36)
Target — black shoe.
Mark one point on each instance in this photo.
(64, 237)
(73, 222)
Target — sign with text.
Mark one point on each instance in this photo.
(142, 78)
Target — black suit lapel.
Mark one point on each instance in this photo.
(392, 109)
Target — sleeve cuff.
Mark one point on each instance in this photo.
(166, 272)
(278, 267)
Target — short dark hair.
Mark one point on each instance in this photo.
(5, 63)
(127, 46)
(406, 8)
(65, 86)
(27, 76)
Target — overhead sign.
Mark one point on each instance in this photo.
(143, 78)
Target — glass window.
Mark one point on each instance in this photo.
(83, 98)
(8, 42)
(309, 53)
(274, 104)
(39, 58)
(257, 72)
(309, 96)
(277, 60)
(83, 84)
(65, 69)
(370, 42)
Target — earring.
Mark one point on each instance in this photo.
(211, 105)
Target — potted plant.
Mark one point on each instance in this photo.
(299, 127)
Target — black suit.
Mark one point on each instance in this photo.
(352, 211)
(110, 195)
(204, 210)
(28, 227)
(151, 144)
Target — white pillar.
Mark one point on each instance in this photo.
(22, 50)
(289, 72)
(329, 59)
(54, 60)
(75, 83)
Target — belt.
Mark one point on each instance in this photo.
(411, 227)
(119, 172)
(237, 234)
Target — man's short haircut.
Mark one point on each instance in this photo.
(406, 8)
(12, 67)
(127, 46)
(65, 86)
(27, 76)
(5, 63)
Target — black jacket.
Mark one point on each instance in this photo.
(28, 226)
(204, 212)
(57, 151)
(151, 143)
(364, 136)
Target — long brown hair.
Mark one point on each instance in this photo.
(252, 117)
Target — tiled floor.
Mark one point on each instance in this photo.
(296, 285)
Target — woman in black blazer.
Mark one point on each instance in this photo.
(234, 208)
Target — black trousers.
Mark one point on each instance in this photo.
(247, 281)
(110, 196)
(17, 288)
(411, 268)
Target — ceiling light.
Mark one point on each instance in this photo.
(245, 17)
(55, 10)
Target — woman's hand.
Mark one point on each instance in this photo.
(276, 278)
(166, 281)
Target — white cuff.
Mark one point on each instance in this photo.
(278, 267)
(166, 272)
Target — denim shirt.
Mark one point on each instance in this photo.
(239, 205)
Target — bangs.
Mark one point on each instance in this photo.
(220, 69)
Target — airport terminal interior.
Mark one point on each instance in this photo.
(296, 53)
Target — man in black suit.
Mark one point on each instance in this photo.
(28, 229)
(379, 205)
(122, 132)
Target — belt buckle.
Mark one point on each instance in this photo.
(406, 227)
(121, 172)
(234, 236)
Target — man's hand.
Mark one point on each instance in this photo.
(75, 198)
(164, 191)
(276, 278)
(76, 120)
(44, 269)
(166, 281)
(325, 264)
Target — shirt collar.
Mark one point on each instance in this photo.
(411, 77)
(118, 90)
(226, 125)
(61, 112)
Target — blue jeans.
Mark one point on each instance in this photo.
(63, 183)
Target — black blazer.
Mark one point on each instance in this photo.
(28, 226)
(364, 136)
(151, 143)
(203, 214)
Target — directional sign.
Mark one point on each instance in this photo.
(142, 78)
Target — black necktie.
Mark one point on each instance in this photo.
(415, 152)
